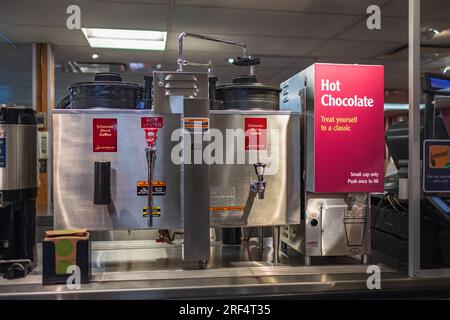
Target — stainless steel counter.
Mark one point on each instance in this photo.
(147, 270)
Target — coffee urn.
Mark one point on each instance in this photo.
(18, 190)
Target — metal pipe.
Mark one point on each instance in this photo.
(260, 241)
(414, 168)
(150, 152)
(276, 244)
(181, 61)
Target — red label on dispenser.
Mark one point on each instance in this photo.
(348, 128)
(152, 122)
(255, 133)
(104, 134)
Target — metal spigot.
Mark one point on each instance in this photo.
(150, 153)
(259, 186)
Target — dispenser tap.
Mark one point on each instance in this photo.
(150, 153)
(259, 186)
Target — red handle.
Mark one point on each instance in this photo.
(150, 136)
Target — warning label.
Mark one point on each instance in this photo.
(156, 211)
(152, 122)
(226, 215)
(158, 188)
(196, 125)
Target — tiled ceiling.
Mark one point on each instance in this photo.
(288, 35)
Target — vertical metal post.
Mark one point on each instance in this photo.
(276, 244)
(260, 242)
(194, 189)
(414, 167)
(50, 107)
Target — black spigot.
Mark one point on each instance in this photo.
(259, 186)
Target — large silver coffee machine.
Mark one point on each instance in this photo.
(18, 190)
(178, 165)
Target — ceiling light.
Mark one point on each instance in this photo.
(429, 32)
(433, 30)
(95, 56)
(125, 39)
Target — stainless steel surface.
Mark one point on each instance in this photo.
(170, 87)
(330, 228)
(20, 171)
(182, 62)
(339, 230)
(298, 95)
(74, 165)
(135, 270)
(230, 182)
(194, 188)
(74, 160)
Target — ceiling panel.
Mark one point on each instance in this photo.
(354, 49)
(392, 29)
(430, 9)
(94, 13)
(257, 45)
(55, 35)
(322, 6)
(12, 58)
(281, 24)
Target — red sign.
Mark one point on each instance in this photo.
(152, 122)
(348, 128)
(255, 133)
(104, 134)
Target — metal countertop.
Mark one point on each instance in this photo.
(147, 270)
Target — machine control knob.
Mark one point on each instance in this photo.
(314, 222)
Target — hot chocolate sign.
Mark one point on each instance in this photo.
(348, 128)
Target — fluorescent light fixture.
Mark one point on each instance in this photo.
(125, 39)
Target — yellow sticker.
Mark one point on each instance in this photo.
(439, 156)
(156, 211)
